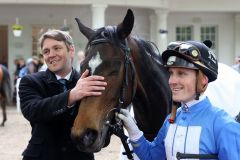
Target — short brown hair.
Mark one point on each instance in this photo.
(57, 35)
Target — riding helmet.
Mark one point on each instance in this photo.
(193, 55)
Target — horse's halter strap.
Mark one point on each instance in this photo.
(127, 62)
(117, 128)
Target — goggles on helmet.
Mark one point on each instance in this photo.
(186, 49)
(174, 61)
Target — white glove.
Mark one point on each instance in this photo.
(130, 124)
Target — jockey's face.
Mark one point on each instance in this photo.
(58, 56)
(182, 82)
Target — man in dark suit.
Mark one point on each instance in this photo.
(51, 105)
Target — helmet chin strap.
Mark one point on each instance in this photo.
(197, 96)
(201, 85)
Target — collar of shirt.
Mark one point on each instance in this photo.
(186, 106)
(67, 77)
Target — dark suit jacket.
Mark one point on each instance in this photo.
(44, 105)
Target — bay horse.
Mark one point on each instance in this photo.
(5, 91)
(134, 73)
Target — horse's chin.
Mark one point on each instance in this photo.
(102, 141)
(91, 149)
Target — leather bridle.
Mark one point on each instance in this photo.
(107, 36)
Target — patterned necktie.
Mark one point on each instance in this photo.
(63, 82)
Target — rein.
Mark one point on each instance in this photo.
(117, 127)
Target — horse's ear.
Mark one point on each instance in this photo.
(87, 32)
(125, 28)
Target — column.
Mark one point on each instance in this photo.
(98, 15)
(237, 36)
(161, 28)
(153, 28)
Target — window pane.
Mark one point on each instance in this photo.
(209, 32)
(184, 33)
(178, 38)
(177, 30)
(213, 30)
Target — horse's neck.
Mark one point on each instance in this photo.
(152, 93)
(151, 102)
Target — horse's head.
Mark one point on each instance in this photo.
(107, 54)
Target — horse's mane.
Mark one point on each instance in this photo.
(152, 60)
(155, 92)
(149, 48)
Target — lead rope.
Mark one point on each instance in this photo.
(117, 129)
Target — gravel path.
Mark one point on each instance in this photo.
(15, 134)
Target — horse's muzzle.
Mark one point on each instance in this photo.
(86, 140)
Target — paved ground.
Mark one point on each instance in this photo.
(15, 134)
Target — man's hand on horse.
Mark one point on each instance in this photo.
(129, 124)
(92, 85)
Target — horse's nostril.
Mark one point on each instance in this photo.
(89, 137)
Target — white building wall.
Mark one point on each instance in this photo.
(237, 34)
(53, 16)
(115, 15)
(40, 15)
(224, 21)
(30, 14)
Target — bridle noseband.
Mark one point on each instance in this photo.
(109, 36)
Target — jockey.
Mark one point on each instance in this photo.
(197, 127)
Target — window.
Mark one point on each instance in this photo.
(184, 33)
(210, 33)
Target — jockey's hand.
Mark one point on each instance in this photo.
(129, 124)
